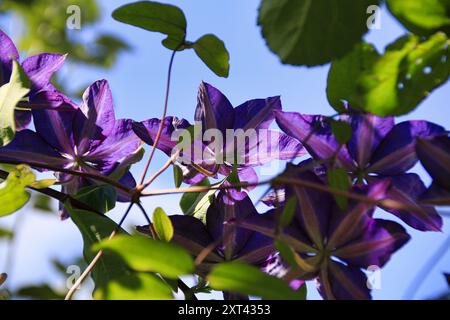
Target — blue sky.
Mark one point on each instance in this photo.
(138, 82)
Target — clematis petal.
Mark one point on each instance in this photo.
(256, 114)
(316, 136)
(29, 145)
(367, 132)
(272, 145)
(119, 144)
(434, 154)
(8, 53)
(345, 226)
(96, 120)
(219, 223)
(396, 153)
(376, 243)
(40, 68)
(406, 189)
(213, 109)
(56, 127)
(257, 249)
(340, 282)
(436, 195)
(313, 207)
(22, 119)
(148, 129)
(128, 181)
(50, 97)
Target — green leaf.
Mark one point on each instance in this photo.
(233, 177)
(148, 255)
(153, 16)
(177, 176)
(142, 286)
(197, 203)
(40, 292)
(249, 280)
(397, 82)
(94, 228)
(422, 17)
(100, 197)
(343, 73)
(313, 32)
(6, 234)
(288, 212)
(42, 202)
(213, 53)
(13, 195)
(162, 224)
(10, 95)
(342, 131)
(338, 179)
(286, 253)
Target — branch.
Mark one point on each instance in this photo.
(163, 117)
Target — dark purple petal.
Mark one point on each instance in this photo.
(257, 249)
(50, 97)
(406, 189)
(213, 109)
(220, 220)
(56, 128)
(128, 181)
(346, 226)
(340, 282)
(377, 242)
(8, 53)
(436, 195)
(367, 132)
(396, 153)
(148, 129)
(30, 146)
(256, 114)
(40, 68)
(315, 134)
(119, 144)
(434, 154)
(313, 207)
(96, 120)
(272, 145)
(22, 118)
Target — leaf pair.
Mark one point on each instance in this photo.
(170, 20)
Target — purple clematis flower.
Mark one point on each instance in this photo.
(332, 245)
(377, 149)
(39, 69)
(215, 113)
(233, 243)
(434, 154)
(87, 139)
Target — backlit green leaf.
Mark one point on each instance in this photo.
(148, 255)
(10, 95)
(213, 53)
(13, 195)
(162, 224)
(249, 280)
